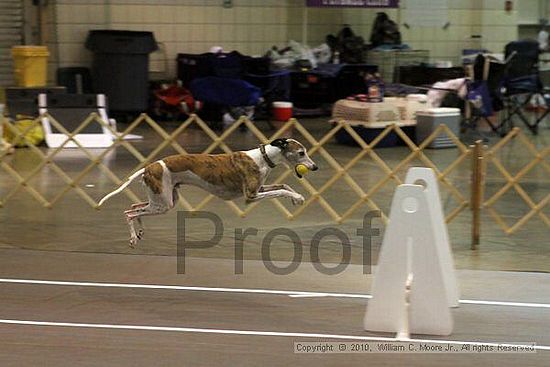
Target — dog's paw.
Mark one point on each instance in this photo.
(298, 200)
(133, 242)
(140, 234)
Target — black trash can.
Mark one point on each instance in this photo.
(120, 67)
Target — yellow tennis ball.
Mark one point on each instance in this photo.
(301, 169)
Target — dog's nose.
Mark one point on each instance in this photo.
(314, 168)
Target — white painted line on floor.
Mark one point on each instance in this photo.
(463, 301)
(254, 333)
(294, 294)
(499, 303)
(313, 295)
(179, 288)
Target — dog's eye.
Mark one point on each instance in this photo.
(301, 154)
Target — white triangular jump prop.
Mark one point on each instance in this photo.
(426, 177)
(409, 293)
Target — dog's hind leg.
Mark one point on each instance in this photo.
(155, 209)
(175, 197)
(157, 204)
(133, 235)
(139, 205)
(140, 230)
(130, 218)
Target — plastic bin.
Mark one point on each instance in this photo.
(30, 65)
(428, 120)
(120, 67)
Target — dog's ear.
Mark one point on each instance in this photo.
(280, 143)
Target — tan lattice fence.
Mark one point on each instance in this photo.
(514, 182)
(366, 196)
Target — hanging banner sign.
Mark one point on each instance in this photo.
(353, 3)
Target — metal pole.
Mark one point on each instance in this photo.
(476, 192)
(41, 13)
(304, 25)
(1, 127)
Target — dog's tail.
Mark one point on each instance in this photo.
(121, 187)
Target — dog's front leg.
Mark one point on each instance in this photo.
(265, 188)
(296, 198)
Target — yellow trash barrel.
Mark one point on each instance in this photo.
(30, 64)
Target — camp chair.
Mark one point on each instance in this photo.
(485, 93)
(522, 82)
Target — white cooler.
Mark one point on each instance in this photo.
(428, 120)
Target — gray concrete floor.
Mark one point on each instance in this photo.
(77, 243)
(29, 345)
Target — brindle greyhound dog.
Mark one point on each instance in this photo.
(227, 176)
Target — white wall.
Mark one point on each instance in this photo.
(252, 26)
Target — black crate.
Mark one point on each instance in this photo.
(226, 65)
(311, 89)
(328, 83)
(191, 66)
(257, 65)
(24, 100)
(75, 79)
(419, 75)
(351, 79)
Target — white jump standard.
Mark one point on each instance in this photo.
(415, 282)
(227, 176)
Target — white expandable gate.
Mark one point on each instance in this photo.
(415, 283)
